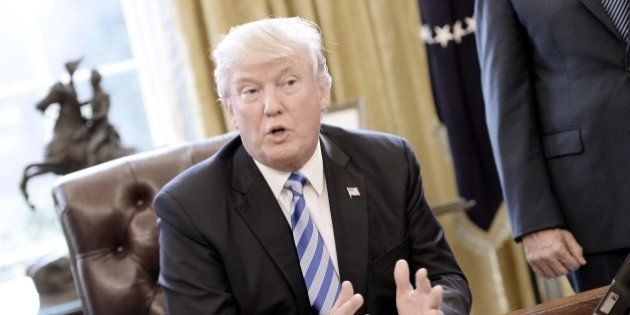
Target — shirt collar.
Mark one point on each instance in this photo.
(313, 170)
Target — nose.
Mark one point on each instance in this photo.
(273, 104)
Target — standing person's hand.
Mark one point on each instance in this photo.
(553, 252)
(348, 302)
(423, 299)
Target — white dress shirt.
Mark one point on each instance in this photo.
(315, 195)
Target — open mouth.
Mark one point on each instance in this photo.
(277, 131)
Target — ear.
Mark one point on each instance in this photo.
(230, 108)
(324, 97)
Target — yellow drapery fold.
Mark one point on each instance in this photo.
(374, 53)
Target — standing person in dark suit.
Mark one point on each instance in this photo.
(289, 209)
(556, 81)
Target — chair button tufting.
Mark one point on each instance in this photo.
(139, 203)
(119, 249)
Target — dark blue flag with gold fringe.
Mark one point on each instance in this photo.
(448, 31)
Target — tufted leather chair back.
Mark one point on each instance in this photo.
(110, 227)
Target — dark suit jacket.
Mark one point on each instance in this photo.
(226, 247)
(557, 89)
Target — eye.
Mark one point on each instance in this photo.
(249, 92)
(291, 84)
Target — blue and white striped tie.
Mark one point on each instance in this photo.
(619, 12)
(319, 273)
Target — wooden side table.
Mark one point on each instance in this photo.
(581, 303)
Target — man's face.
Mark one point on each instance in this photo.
(277, 106)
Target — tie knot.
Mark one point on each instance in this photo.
(295, 183)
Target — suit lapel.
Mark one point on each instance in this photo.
(596, 7)
(260, 210)
(349, 215)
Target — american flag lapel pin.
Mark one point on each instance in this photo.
(353, 192)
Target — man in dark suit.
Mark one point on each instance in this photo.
(556, 82)
(289, 209)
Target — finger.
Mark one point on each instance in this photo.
(548, 259)
(401, 276)
(539, 266)
(557, 267)
(434, 300)
(568, 260)
(553, 258)
(574, 248)
(346, 293)
(537, 270)
(547, 271)
(423, 285)
(352, 306)
(538, 262)
(565, 257)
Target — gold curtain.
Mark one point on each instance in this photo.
(374, 53)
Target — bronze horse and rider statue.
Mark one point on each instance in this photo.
(77, 142)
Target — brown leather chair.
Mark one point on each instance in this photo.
(110, 227)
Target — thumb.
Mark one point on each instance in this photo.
(574, 248)
(352, 306)
(434, 300)
(401, 276)
(346, 293)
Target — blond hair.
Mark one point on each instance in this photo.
(267, 40)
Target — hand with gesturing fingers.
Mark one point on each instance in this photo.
(422, 299)
(348, 302)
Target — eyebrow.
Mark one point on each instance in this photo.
(241, 81)
(246, 79)
(284, 71)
